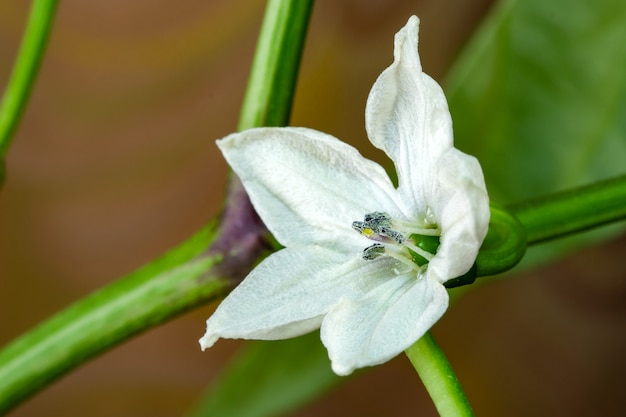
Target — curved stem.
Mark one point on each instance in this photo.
(439, 378)
(505, 243)
(25, 70)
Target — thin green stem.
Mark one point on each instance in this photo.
(25, 70)
(276, 62)
(439, 378)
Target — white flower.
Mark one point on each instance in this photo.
(351, 264)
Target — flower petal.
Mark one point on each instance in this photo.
(460, 203)
(407, 116)
(307, 186)
(288, 294)
(388, 320)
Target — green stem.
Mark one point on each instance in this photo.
(505, 243)
(572, 211)
(147, 297)
(274, 71)
(25, 70)
(439, 378)
(185, 277)
(546, 218)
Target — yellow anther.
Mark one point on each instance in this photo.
(368, 232)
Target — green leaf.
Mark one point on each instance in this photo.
(539, 96)
(270, 378)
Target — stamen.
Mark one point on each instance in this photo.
(421, 252)
(400, 254)
(378, 219)
(380, 227)
(392, 234)
(373, 252)
(429, 229)
(363, 229)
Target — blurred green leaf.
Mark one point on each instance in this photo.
(539, 96)
(270, 379)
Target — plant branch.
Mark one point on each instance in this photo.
(439, 378)
(572, 211)
(25, 71)
(187, 276)
(546, 218)
(167, 287)
(272, 81)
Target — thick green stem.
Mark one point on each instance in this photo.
(572, 211)
(546, 218)
(180, 280)
(439, 378)
(25, 70)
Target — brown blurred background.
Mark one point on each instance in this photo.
(115, 162)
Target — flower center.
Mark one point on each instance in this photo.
(411, 245)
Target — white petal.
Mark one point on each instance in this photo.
(407, 116)
(307, 186)
(461, 205)
(391, 318)
(288, 294)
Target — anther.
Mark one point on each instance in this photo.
(410, 249)
(377, 219)
(392, 234)
(358, 226)
(373, 252)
